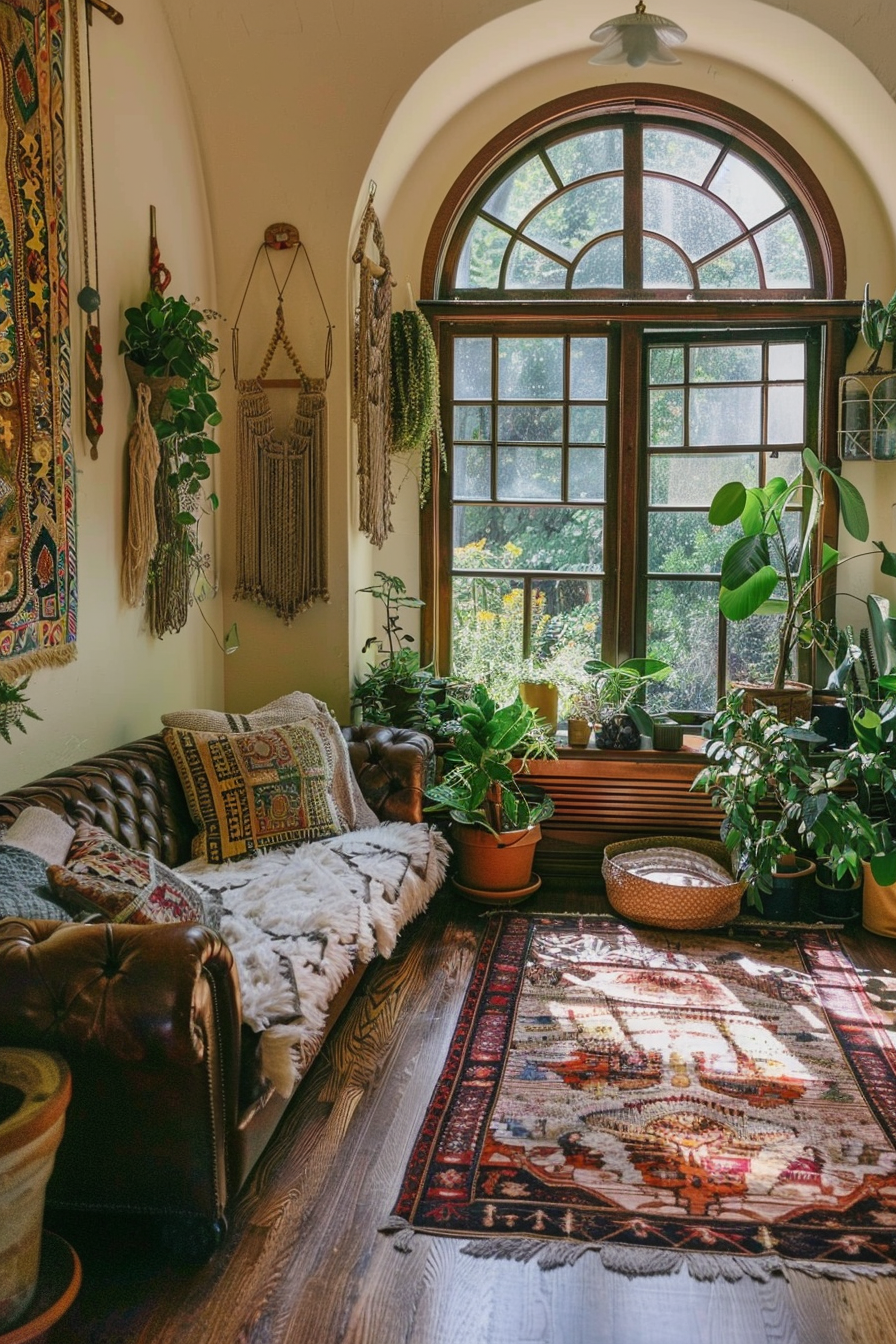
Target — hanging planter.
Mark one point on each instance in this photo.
(416, 422)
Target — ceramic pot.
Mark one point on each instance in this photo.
(833, 720)
(35, 1087)
(783, 902)
(578, 732)
(836, 900)
(667, 735)
(488, 863)
(617, 732)
(544, 698)
(878, 905)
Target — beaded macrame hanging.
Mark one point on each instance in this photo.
(282, 482)
(371, 387)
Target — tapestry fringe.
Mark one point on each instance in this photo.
(23, 664)
(642, 1261)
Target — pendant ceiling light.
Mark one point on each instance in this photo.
(637, 39)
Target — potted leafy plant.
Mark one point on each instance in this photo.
(758, 562)
(396, 690)
(538, 689)
(582, 710)
(620, 719)
(167, 345)
(496, 815)
(780, 804)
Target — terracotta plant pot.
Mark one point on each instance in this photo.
(35, 1087)
(544, 699)
(793, 701)
(487, 863)
(578, 732)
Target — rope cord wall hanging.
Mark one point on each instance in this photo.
(282, 482)
(88, 297)
(371, 386)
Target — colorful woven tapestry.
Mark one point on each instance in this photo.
(37, 482)
(664, 1099)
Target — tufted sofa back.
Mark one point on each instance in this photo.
(133, 792)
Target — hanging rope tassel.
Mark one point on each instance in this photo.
(93, 388)
(142, 529)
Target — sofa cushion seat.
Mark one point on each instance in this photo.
(298, 918)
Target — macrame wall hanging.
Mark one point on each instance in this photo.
(371, 385)
(282, 482)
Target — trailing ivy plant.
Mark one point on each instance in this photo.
(416, 419)
(169, 338)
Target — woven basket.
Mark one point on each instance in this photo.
(793, 701)
(667, 905)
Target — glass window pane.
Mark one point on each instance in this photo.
(472, 472)
(481, 256)
(588, 368)
(753, 648)
(566, 618)
(667, 364)
(530, 368)
(787, 465)
(587, 424)
(734, 269)
(666, 418)
(786, 419)
(529, 473)
(601, 266)
(530, 424)
(726, 363)
(683, 628)
(587, 474)
(531, 269)
(473, 422)
(586, 155)
(748, 193)
(684, 214)
(783, 255)
(663, 267)
(487, 632)
(561, 537)
(472, 367)
(725, 416)
(679, 154)
(692, 479)
(786, 361)
(520, 192)
(566, 224)
(687, 543)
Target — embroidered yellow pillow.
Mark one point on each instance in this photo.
(249, 792)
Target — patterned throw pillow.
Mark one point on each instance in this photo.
(351, 807)
(253, 791)
(105, 877)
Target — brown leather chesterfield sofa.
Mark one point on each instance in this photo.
(169, 1110)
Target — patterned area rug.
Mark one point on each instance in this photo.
(664, 1099)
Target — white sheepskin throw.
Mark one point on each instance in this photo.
(297, 918)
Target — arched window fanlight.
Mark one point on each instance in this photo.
(708, 217)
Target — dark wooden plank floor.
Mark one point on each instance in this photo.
(305, 1264)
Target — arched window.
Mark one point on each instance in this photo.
(633, 305)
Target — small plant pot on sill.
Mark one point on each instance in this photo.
(501, 867)
(782, 904)
(578, 732)
(544, 698)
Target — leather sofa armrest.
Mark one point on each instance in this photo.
(393, 767)
(140, 993)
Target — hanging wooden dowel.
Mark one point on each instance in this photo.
(110, 12)
(280, 382)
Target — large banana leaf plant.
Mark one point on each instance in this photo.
(758, 562)
(481, 789)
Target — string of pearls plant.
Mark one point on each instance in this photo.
(416, 422)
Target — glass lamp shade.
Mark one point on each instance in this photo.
(637, 39)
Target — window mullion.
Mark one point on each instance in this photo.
(633, 208)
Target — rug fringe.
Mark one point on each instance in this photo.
(648, 1261)
(401, 1232)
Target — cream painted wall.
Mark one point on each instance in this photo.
(146, 152)
(298, 105)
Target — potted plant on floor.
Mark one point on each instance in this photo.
(621, 720)
(756, 564)
(496, 815)
(779, 805)
(396, 690)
